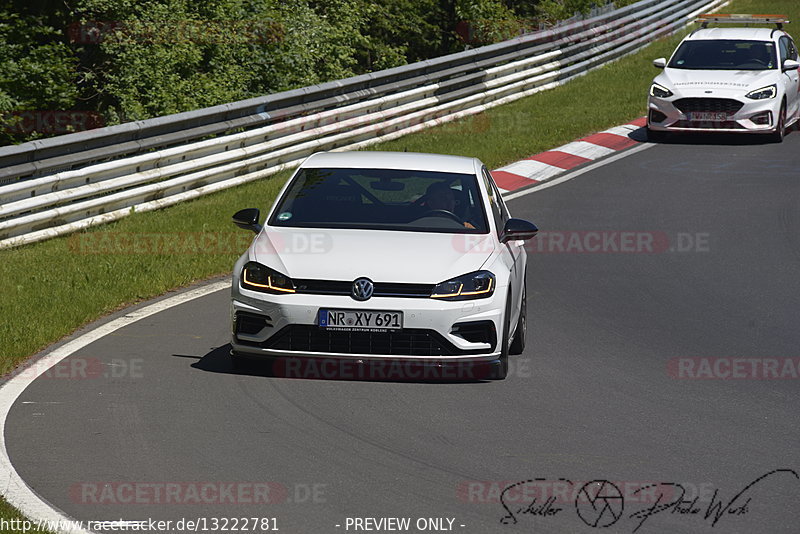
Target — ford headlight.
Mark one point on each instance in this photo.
(763, 93)
(659, 91)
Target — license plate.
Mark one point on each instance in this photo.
(708, 116)
(364, 321)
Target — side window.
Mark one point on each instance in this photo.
(792, 49)
(496, 204)
(784, 48)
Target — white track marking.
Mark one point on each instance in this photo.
(530, 168)
(574, 174)
(15, 490)
(586, 150)
(623, 130)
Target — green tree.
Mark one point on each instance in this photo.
(38, 70)
(483, 22)
(396, 32)
(167, 56)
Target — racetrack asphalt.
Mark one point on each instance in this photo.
(660, 286)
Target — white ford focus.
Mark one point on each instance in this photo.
(371, 256)
(728, 80)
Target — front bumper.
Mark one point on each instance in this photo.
(433, 331)
(752, 116)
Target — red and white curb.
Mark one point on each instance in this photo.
(552, 163)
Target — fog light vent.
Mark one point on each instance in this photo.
(476, 332)
(657, 116)
(251, 324)
(763, 119)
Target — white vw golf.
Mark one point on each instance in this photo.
(728, 80)
(382, 256)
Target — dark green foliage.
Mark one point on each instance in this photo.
(124, 60)
(38, 70)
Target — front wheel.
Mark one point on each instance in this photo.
(518, 344)
(500, 371)
(780, 129)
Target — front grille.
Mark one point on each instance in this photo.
(382, 289)
(714, 105)
(707, 125)
(407, 342)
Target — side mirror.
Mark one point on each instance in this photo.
(790, 64)
(247, 219)
(518, 229)
(660, 63)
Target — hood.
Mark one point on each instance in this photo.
(382, 256)
(685, 82)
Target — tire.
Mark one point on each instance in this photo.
(780, 130)
(500, 371)
(518, 344)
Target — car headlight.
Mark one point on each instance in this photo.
(763, 93)
(261, 278)
(477, 285)
(659, 91)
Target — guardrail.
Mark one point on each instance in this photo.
(59, 185)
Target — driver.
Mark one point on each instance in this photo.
(761, 54)
(439, 196)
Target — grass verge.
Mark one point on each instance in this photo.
(15, 520)
(50, 289)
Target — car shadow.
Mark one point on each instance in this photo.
(639, 135)
(219, 360)
(709, 138)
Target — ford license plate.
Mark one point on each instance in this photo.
(708, 116)
(357, 320)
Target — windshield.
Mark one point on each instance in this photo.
(382, 199)
(725, 55)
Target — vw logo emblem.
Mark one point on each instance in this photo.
(362, 289)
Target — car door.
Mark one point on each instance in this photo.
(790, 78)
(513, 251)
